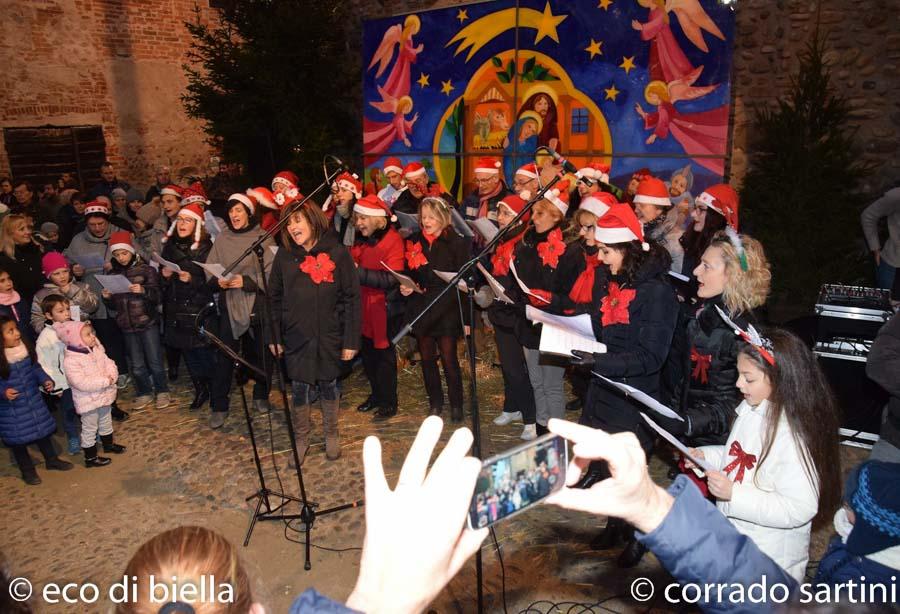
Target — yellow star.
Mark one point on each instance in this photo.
(462, 15)
(604, 4)
(447, 87)
(547, 25)
(627, 64)
(611, 92)
(422, 80)
(594, 48)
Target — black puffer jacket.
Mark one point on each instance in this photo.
(182, 301)
(701, 374)
(315, 321)
(637, 330)
(136, 312)
(542, 273)
(448, 253)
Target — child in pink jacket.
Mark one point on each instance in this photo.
(92, 377)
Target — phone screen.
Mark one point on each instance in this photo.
(517, 479)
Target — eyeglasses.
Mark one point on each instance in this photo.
(519, 183)
(486, 181)
(587, 228)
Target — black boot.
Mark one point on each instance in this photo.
(541, 429)
(201, 393)
(57, 464)
(30, 476)
(574, 404)
(633, 552)
(117, 414)
(109, 446)
(611, 536)
(456, 414)
(368, 405)
(92, 460)
(173, 359)
(384, 412)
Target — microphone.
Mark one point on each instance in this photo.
(339, 162)
(569, 167)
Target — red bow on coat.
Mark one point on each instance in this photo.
(319, 268)
(742, 461)
(701, 368)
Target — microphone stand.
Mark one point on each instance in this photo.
(308, 511)
(473, 380)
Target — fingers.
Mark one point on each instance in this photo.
(582, 500)
(376, 485)
(416, 463)
(576, 468)
(468, 544)
(454, 453)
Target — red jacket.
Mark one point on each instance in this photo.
(368, 254)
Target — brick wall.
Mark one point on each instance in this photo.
(118, 64)
(102, 62)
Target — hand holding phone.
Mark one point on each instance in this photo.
(515, 480)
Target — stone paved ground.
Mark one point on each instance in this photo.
(84, 525)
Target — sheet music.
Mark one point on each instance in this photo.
(116, 284)
(404, 280)
(557, 340)
(75, 313)
(215, 269)
(459, 224)
(485, 227)
(642, 397)
(525, 289)
(679, 276)
(166, 263)
(212, 225)
(579, 325)
(88, 261)
(705, 466)
(407, 221)
(496, 287)
(461, 284)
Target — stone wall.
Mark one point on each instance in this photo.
(118, 64)
(103, 62)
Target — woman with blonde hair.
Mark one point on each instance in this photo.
(437, 247)
(20, 256)
(734, 276)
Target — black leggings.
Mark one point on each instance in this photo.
(23, 459)
(429, 347)
(380, 366)
(250, 346)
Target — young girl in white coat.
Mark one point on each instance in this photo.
(779, 470)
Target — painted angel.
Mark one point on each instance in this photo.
(704, 133)
(667, 61)
(379, 136)
(398, 81)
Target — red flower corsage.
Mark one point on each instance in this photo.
(414, 256)
(551, 249)
(319, 268)
(501, 257)
(614, 305)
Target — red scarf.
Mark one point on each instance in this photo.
(551, 249)
(583, 289)
(430, 238)
(483, 204)
(614, 305)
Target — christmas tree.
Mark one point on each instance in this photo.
(800, 197)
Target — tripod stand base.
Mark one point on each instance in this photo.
(262, 499)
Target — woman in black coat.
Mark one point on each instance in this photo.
(548, 262)
(185, 294)
(316, 312)
(636, 320)
(20, 256)
(437, 247)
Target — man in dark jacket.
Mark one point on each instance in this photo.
(107, 183)
(418, 186)
(883, 366)
(488, 194)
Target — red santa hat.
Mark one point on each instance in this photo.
(193, 211)
(284, 179)
(620, 225)
(598, 203)
(120, 240)
(171, 190)
(261, 195)
(722, 199)
(96, 207)
(245, 199)
(487, 165)
(596, 171)
(194, 194)
(529, 170)
(652, 191)
(413, 170)
(350, 182)
(559, 196)
(515, 204)
(373, 206)
(393, 165)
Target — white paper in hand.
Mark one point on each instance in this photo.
(642, 397)
(496, 287)
(116, 284)
(485, 227)
(444, 275)
(705, 466)
(405, 280)
(560, 341)
(459, 224)
(215, 269)
(525, 289)
(75, 313)
(407, 221)
(165, 263)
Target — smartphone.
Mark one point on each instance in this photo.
(515, 480)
